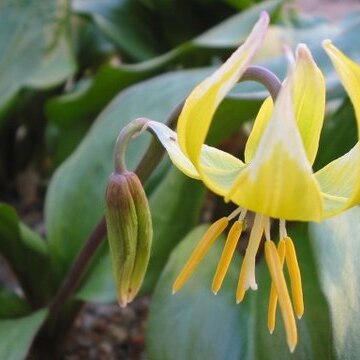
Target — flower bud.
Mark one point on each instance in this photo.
(129, 228)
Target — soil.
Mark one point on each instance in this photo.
(108, 332)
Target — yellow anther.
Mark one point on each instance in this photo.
(273, 294)
(277, 276)
(247, 272)
(200, 251)
(226, 256)
(295, 278)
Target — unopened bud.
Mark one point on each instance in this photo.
(129, 228)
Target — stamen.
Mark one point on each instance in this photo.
(267, 229)
(235, 213)
(282, 229)
(212, 233)
(247, 272)
(242, 214)
(295, 277)
(273, 294)
(226, 256)
(273, 261)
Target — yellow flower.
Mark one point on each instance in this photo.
(276, 180)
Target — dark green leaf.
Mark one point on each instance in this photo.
(17, 335)
(196, 324)
(336, 243)
(125, 22)
(34, 46)
(26, 253)
(88, 100)
(12, 305)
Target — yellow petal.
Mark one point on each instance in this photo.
(258, 129)
(200, 106)
(169, 140)
(220, 167)
(279, 181)
(308, 102)
(349, 73)
(339, 182)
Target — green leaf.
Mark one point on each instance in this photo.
(26, 253)
(196, 324)
(125, 22)
(34, 46)
(336, 243)
(12, 305)
(87, 100)
(17, 335)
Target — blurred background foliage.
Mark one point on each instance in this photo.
(72, 73)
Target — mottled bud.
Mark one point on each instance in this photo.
(129, 232)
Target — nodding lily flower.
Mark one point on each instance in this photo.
(276, 180)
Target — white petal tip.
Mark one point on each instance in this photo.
(271, 331)
(215, 292)
(299, 316)
(292, 348)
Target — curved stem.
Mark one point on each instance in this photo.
(128, 132)
(265, 77)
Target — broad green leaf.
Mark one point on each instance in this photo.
(12, 305)
(175, 206)
(194, 323)
(34, 46)
(88, 100)
(127, 23)
(336, 244)
(27, 255)
(17, 335)
(231, 32)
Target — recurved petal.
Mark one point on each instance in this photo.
(201, 104)
(279, 181)
(169, 140)
(349, 73)
(309, 106)
(339, 182)
(309, 100)
(218, 166)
